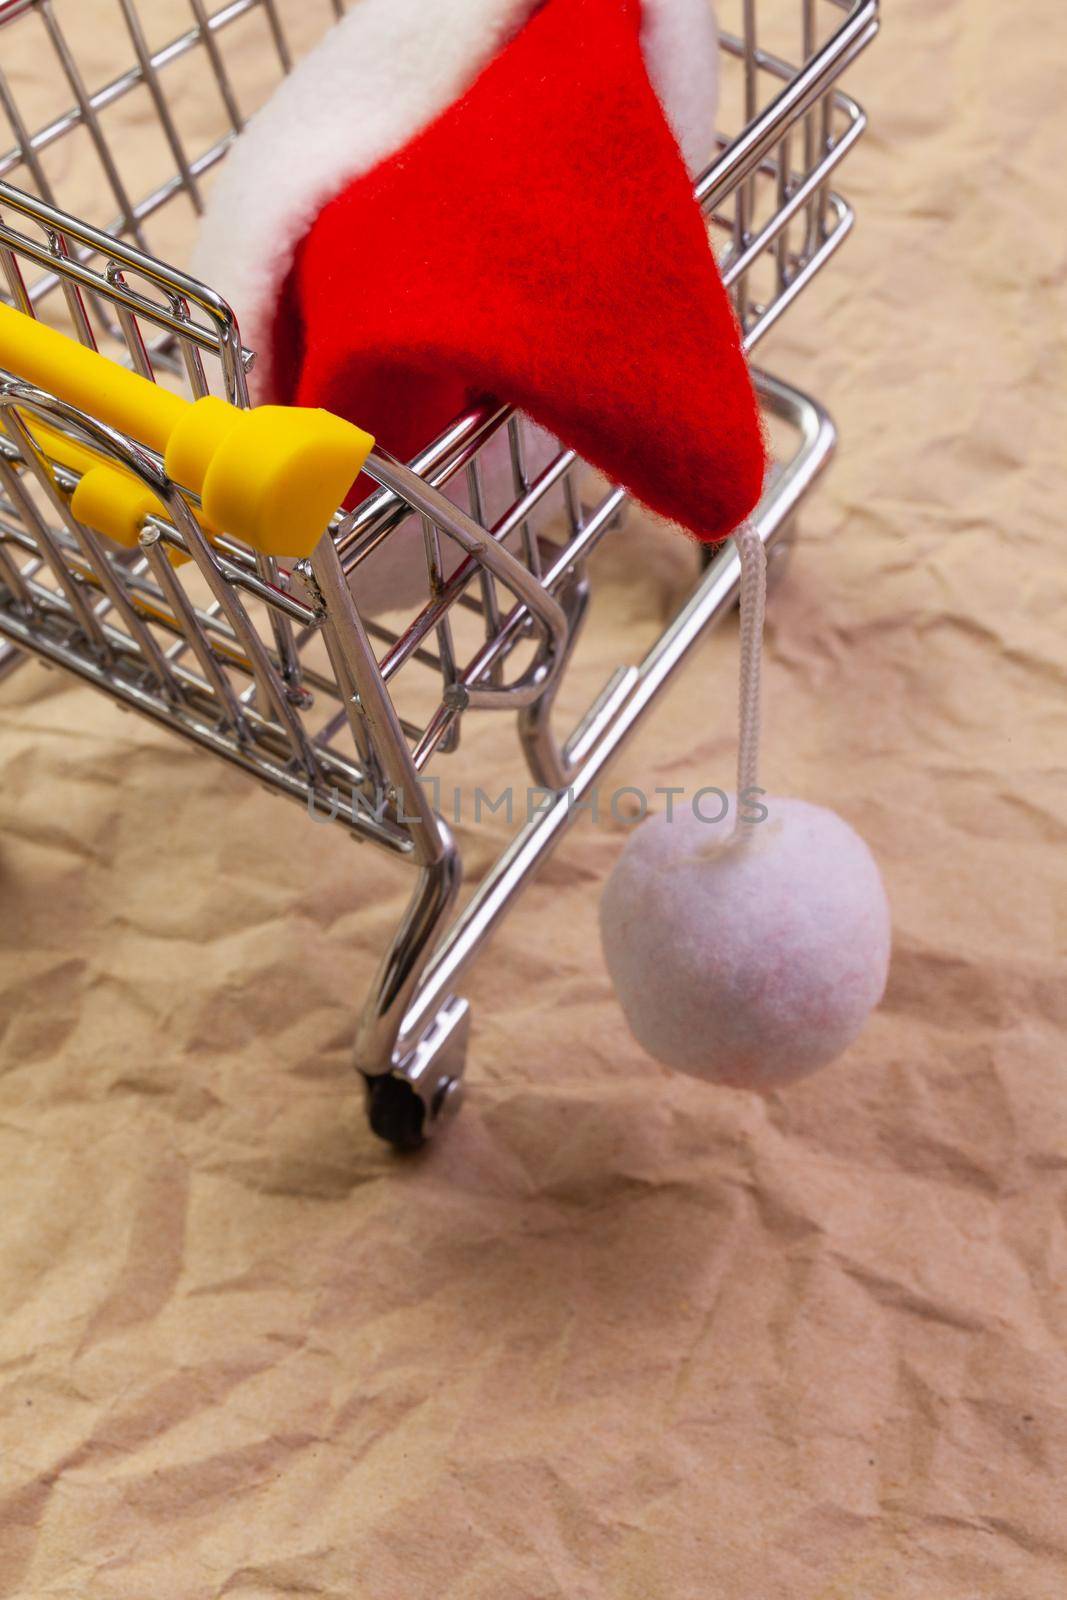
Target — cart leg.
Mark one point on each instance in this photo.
(547, 762)
(413, 1085)
(425, 1087)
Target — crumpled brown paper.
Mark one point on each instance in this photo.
(617, 1337)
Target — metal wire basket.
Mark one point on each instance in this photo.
(272, 666)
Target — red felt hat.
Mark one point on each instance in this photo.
(538, 241)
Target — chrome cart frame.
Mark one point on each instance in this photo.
(273, 666)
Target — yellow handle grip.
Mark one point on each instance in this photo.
(272, 476)
(106, 496)
(122, 399)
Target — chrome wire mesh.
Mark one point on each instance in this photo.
(249, 655)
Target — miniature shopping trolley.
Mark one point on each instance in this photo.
(140, 496)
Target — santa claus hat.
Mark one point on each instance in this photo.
(490, 198)
(382, 74)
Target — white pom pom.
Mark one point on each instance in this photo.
(747, 958)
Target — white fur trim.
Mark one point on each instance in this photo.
(374, 81)
(680, 40)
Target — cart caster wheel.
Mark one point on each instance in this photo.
(395, 1112)
(422, 1091)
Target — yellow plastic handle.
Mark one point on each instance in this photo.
(106, 496)
(272, 476)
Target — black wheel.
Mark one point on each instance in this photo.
(395, 1112)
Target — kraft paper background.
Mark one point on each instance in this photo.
(618, 1336)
